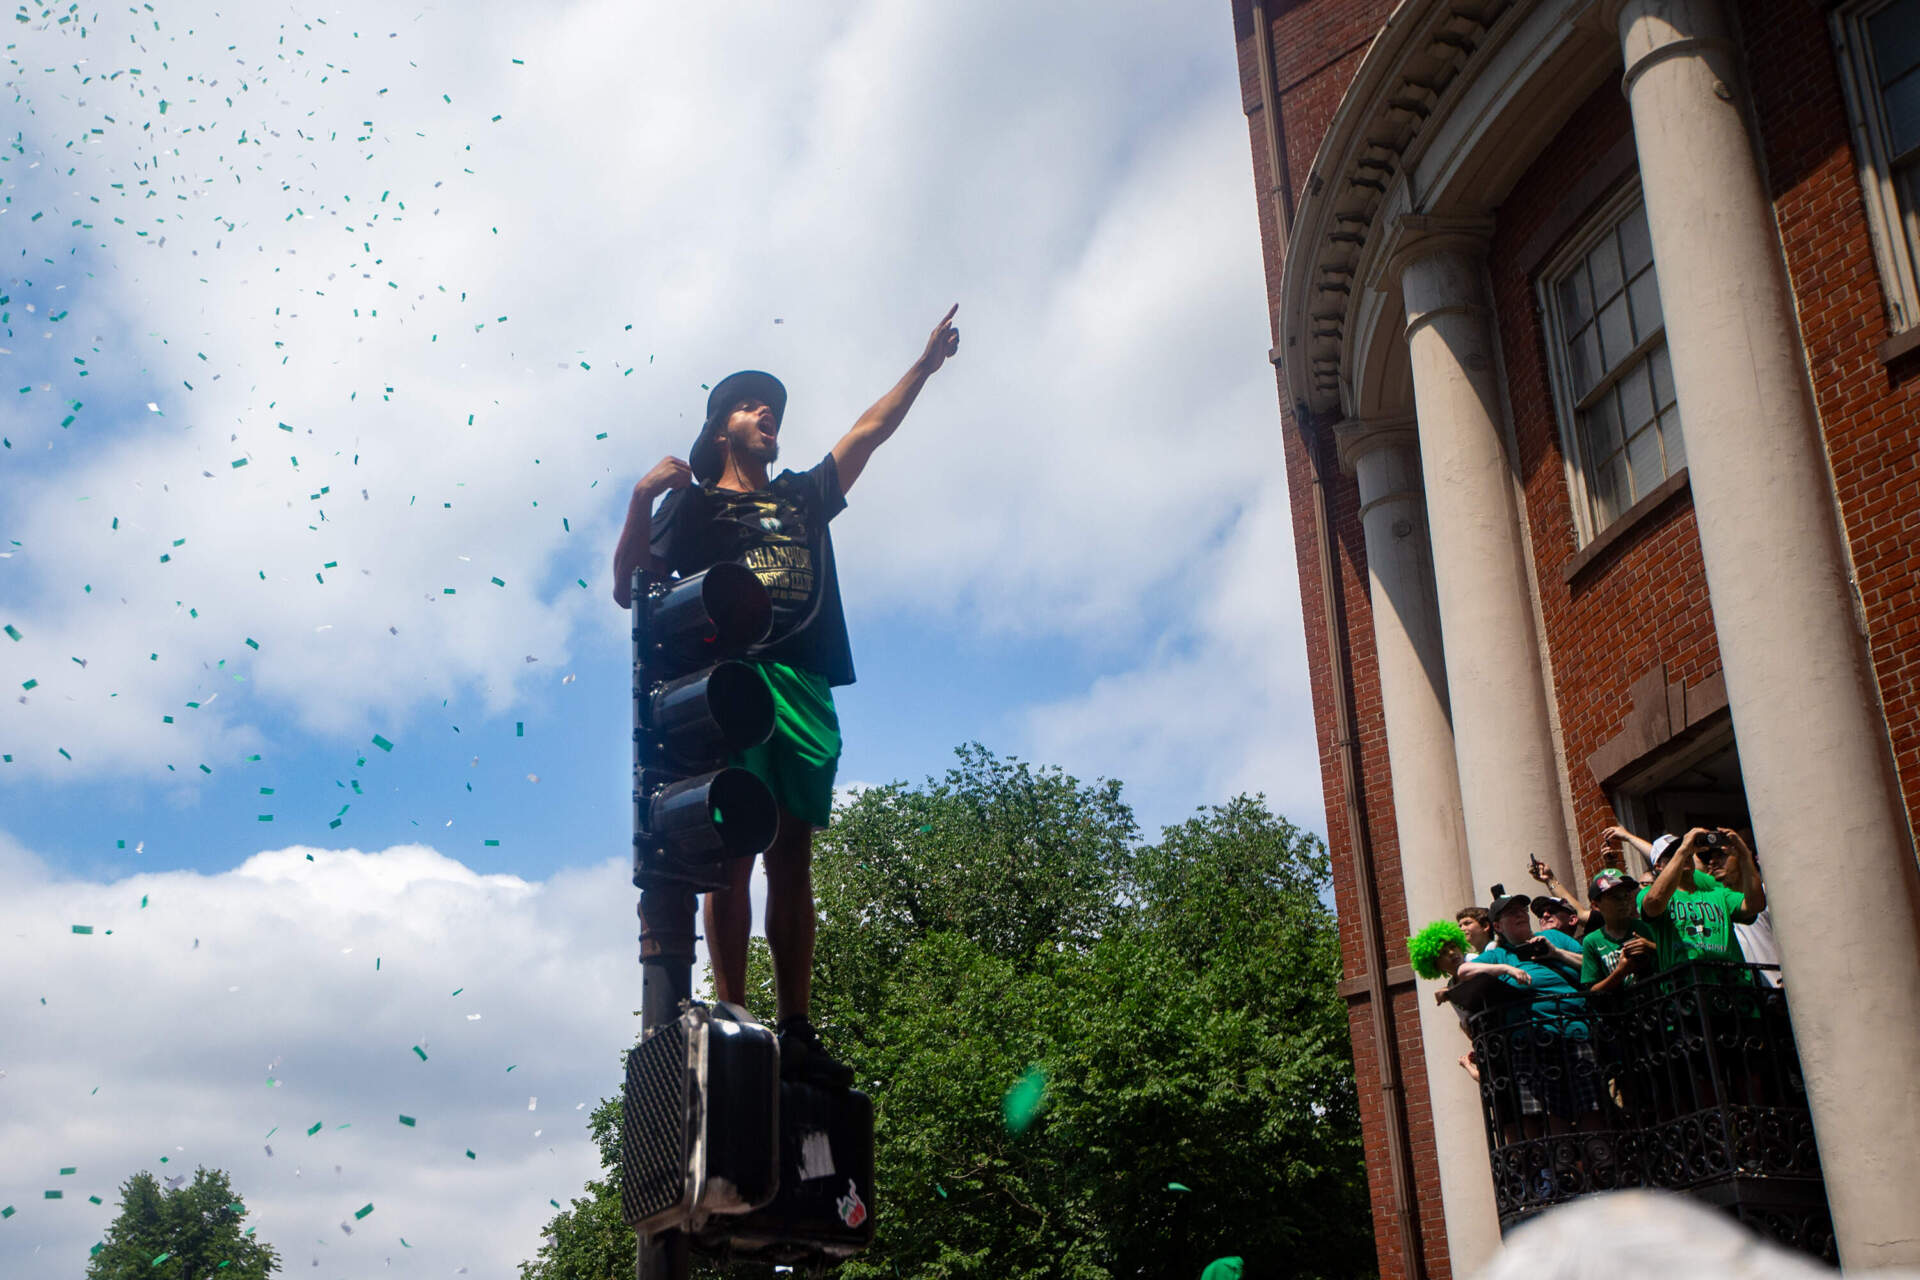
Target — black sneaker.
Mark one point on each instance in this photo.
(803, 1057)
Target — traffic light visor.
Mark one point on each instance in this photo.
(712, 713)
(711, 614)
(728, 813)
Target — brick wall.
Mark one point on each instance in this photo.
(1870, 411)
(1644, 601)
(1318, 46)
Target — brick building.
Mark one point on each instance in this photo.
(1596, 326)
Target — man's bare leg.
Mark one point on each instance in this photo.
(729, 919)
(790, 922)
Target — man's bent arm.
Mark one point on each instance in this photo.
(883, 418)
(635, 547)
(1754, 891)
(1675, 874)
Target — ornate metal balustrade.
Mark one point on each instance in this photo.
(1687, 1081)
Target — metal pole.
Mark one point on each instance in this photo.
(666, 949)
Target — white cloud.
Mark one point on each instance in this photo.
(1222, 706)
(184, 1012)
(661, 186)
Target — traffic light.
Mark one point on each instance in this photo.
(694, 705)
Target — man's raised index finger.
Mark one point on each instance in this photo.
(950, 313)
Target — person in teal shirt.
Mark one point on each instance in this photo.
(1555, 1076)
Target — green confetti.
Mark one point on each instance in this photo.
(83, 928)
(363, 1211)
(238, 462)
(252, 643)
(422, 1052)
(30, 684)
(493, 844)
(69, 1170)
(95, 1200)
(382, 743)
(1178, 1186)
(456, 991)
(163, 1257)
(1024, 1100)
(7, 1212)
(55, 1195)
(470, 1154)
(408, 1121)
(602, 435)
(143, 902)
(13, 632)
(519, 728)
(498, 583)
(315, 1129)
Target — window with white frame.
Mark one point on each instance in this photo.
(1879, 46)
(1613, 381)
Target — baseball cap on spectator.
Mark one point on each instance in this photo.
(1663, 846)
(1607, 879)
(1547, 902)
(1502, 900)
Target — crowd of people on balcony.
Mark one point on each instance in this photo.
(1552, 964)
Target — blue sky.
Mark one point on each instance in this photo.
(334, 339)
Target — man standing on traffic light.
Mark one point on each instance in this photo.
(722, 506)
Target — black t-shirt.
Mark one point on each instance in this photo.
(779, 532)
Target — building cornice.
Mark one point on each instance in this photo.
(1417, 134)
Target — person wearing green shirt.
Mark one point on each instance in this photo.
(1691, 915)
(1623, 947)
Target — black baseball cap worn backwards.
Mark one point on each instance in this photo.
(706, 458)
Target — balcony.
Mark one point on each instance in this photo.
(1688, 1081)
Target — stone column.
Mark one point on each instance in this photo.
(1503, 740)
(1384, 458)
(1819, 776)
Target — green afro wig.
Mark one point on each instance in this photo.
(1424, 947)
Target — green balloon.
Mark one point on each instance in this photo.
(1025, 1099)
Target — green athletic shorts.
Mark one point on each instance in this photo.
(799, 760)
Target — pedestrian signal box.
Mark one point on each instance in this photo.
(714, 1144)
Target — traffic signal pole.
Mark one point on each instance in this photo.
(666, 983)
(667, 914)
(692, 707)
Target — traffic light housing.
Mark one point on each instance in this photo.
(694, 705)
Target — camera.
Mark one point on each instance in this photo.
(1532, 949)
(1710, 840)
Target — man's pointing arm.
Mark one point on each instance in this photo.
(879, 422)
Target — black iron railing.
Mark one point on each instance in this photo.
(1687, 1081)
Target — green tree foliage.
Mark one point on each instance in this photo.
(1179, 997)
(193, 1232)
